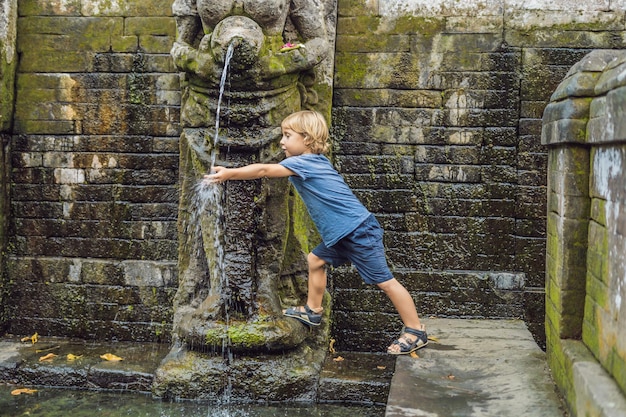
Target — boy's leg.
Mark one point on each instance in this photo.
(317, 282)
(403, 302)
(315, 294)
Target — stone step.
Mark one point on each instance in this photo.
(475, 368)
(356, 377)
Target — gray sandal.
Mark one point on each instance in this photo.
(407, 346)
(308, 316)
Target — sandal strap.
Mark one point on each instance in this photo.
(403, 343)
(308, 309)
(413, 331)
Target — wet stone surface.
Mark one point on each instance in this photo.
(474, 368)
(62, 403)
(357, 379)
(21, 363)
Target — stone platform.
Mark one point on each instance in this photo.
(477, 368)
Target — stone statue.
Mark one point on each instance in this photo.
(263, 229)
(242, 257)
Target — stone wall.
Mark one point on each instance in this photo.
(436, 122)
(95, 170)
(8, 63)
(585, 130)
(437, 117)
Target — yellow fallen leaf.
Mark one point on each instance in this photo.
(33, 339)
(414, 355)
(72, 357)
(338, 359)
(111, 357)
(21, 391)
(381, 367)
(47, 357)
(331, 347)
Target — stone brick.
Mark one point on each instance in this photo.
(615, 102)
(355, 24)
(598, 292)
(564, 131)
(574, 108)
(557, 37)
(57, 7)
(610, 80)
(155, 44)
(597, 132)
(153, 25)
(387, 43)
(578, 84)
(104, 27)
(387, 98)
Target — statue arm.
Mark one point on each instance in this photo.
(190, 51)
(310, 23)
(306, 15)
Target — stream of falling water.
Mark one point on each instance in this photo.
(209, 198)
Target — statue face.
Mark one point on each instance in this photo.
(245, 33)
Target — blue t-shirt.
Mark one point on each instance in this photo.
(332, 205)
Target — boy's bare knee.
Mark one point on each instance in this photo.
(388, 285)
(315, 262)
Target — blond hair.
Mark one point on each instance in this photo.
(312, 126)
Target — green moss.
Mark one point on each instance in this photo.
(427, 27)
(618, 368)
(351, 69)
(249, 335)
(302, 235)
(301, 224)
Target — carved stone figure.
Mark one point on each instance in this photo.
(242, 262)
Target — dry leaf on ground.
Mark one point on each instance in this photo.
(33, 339)
(21, 391)
(111, 357)
(48, 358)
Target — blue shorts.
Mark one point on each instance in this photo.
(363, 247)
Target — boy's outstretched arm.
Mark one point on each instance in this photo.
(248, 172)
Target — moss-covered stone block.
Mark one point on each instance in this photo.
(43, 8)
(362, 24)
(356, 7)
(155, 26)
(618, 367)
(388, 43)
(598, 292)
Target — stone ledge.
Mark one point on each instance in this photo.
(597, 393)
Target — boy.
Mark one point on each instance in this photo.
(350, 233)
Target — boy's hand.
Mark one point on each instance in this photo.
(218, 175)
